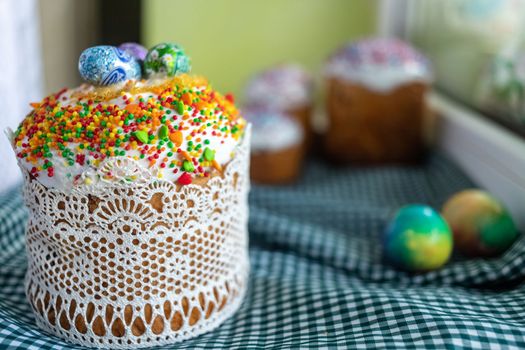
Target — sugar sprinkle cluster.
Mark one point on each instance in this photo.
(168, 124)
(282, 87)
(381, 51)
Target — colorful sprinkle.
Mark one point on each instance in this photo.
(163, 132)
(184, 179)
(188, 166)
(176, 138)
(180, 107)
(142, 136)
(209, 154)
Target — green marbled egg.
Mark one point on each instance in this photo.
(166, 59)
(480, 223)
(418, 239)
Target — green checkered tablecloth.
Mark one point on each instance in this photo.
(318, 280)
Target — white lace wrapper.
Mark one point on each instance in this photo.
(138, 264)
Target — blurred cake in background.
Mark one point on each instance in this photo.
(376, 102)
(285, 88)
(277, 146)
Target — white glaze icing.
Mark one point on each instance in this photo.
(67, 176)
(379, 64)
(282, 87)
(272, 131)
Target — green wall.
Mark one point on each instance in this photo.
(228, 40)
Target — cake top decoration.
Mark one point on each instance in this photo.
(176, 128)
(120, 128)
(281, 87)
(272, 130)
(136, 50)
(166, 59)
(107, 65)
(379, 63)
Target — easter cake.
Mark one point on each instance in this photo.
(277, 147)
(136, 185)
(376, 102)
(284, 88)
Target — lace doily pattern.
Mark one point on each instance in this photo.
(141, 264)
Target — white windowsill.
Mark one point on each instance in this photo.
(492, 156)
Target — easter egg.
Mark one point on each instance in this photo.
(480, 224)
(137, 51)
(166, 59)
(106, 65)
(417, 239)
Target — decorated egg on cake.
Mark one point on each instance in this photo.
(417, 239)
(106, 65)
(480, 224)
(166, 59)
(137, 51)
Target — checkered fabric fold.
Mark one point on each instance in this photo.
(318, 279)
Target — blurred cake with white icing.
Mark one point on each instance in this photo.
(286, 88)
(375, 101)
(277, 146)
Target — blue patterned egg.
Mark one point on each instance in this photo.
(166, 59)
(136, 50)
(107, 65)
